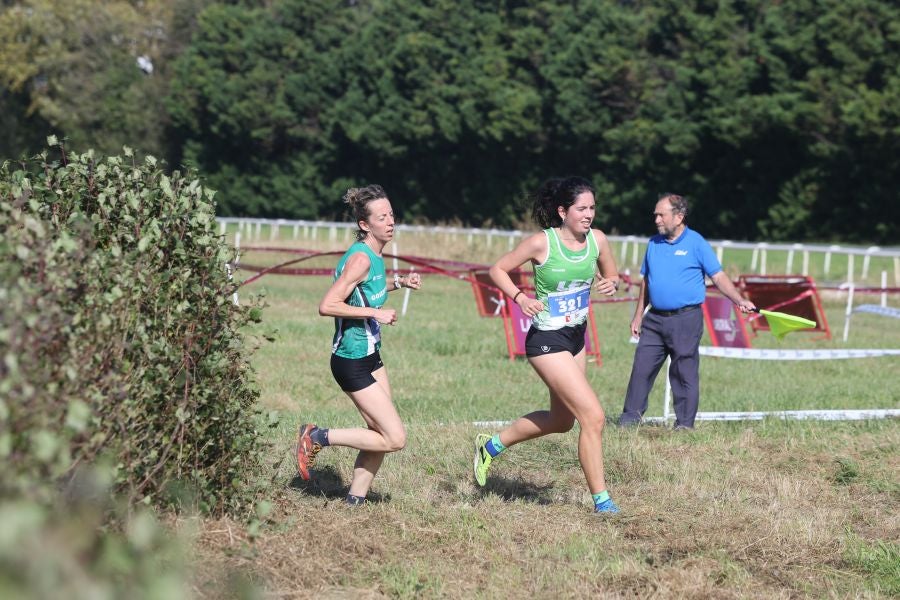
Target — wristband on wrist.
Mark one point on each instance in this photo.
(396, 281)
(517, 295)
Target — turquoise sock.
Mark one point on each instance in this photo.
(494, 446)
(600, 497)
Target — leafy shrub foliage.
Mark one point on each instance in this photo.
(66, 552)
(118, 336)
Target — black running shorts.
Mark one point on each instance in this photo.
(565, 339)
(354, 374)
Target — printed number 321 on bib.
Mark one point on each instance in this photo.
(569, 303)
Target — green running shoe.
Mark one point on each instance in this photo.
(482, 458)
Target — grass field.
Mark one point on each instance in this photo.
(754, 509)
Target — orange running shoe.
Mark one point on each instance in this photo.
(306, 451)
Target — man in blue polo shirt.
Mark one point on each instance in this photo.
(674, 268)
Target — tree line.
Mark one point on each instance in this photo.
(779, 120)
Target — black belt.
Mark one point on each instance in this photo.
(677, 311)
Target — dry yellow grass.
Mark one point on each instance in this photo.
(722, 513)
(765, 509)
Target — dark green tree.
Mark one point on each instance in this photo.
(779, 120)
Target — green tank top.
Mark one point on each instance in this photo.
(358, 338)
(563, 282)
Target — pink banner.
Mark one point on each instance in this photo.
(726, 327)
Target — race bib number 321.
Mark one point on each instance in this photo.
(570, 305)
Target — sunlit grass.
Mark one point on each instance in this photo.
(736, 509)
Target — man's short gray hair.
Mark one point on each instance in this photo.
(679, 203)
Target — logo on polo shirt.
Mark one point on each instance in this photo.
(681, 253)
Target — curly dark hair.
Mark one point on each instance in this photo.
(553, 193)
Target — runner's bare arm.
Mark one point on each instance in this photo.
(532, 248)
(334, 304)
(608, 281)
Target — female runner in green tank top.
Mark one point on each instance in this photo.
(565, 257)
(355, 300)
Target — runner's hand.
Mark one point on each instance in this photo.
(385, 316)
(530, 306)
(604, 286)
(413, 280)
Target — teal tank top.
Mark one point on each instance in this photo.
(358, 338)
(563, 282)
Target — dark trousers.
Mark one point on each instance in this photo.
(677, 336)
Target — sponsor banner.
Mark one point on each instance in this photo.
(776, 354)
(725, 326)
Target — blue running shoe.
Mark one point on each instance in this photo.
(607, 506)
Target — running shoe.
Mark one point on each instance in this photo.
(482, 458)
(306, 451)
(607, 506)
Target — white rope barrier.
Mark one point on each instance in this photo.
(775, 354)
(799, 415)
(817, 415)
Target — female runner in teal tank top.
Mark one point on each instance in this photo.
(565, 257)
(356, 300)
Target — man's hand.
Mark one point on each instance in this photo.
(636, 325)
(745, 306)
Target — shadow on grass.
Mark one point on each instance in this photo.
(650, 430)
(327, 483)
(657, 430)
(517, 489)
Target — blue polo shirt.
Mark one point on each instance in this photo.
(675, 270)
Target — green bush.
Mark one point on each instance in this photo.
(118, 335)
(66, 551)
